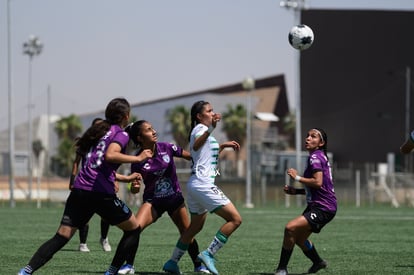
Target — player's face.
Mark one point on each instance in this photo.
(148, 134)
(206, 115)
(313, 141)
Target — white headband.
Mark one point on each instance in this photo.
(320, 134)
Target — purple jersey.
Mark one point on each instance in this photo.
(324, 197)
(96, 174)
(159, 172)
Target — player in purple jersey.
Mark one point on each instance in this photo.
(162, 191)
(83, 231)
(93, 190)
(321, 203)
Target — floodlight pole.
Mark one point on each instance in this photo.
(248, 85)
(297, 6)
(11, 110)
(32, 48)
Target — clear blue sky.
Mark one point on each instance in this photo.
(95, 50)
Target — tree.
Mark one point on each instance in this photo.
(234, 124)
(67, 129)
(179, 118)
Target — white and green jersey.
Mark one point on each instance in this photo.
(205, 159)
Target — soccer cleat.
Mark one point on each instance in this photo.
(317, 266)
(83, 247)
(171, 267)
(281, 272)
(22, 272)
(208, 260)
(105, 245)
(201, 269)
(126, 269)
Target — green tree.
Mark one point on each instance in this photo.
(289, 127)
(234, 124)
(67, 129)
(179, 118)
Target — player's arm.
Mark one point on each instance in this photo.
(114, 154)
(290, 190)
(314, 182)
(186, 155)
(75, 168)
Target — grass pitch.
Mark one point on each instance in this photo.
(374, 240)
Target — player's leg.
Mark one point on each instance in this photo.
(83, 236)
(76, 214)
(104, 236)
(180, 218)
(294, 228)
(145, 216)
(116, 212)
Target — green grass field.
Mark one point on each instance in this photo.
(376, 240)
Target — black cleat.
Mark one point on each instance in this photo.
(316, 267)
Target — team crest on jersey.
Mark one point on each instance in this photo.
(166, 158)
(174, 147)
(147, 166)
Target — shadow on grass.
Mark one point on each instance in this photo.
(272, 273)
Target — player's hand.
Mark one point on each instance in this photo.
(290, 190)
(135, 183)
(292, 173)
(145, 154)
(216, 118)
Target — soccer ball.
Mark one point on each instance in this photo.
(301, 37)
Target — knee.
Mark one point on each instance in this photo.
(238, 221)
(290, 229)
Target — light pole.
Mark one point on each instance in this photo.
(32, 47)
(11, 110)
(248, 85)
(297, 6)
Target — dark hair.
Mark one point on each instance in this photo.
(134, 130)
(96, 120)
(91, 136)
(195, 110)
(116, 110)
(324, 138)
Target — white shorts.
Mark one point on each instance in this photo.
(203, 197)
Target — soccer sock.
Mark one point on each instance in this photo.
(46, 252)
(193, 251)
(83, 233)
(219, 240)
(128, 245)
(179, 250)
(284, 258)
(311, 253)
(104, 229)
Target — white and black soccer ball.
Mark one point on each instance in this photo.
(301, 37)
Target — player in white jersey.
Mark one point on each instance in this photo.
(203, 195)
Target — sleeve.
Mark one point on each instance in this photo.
(177, 151)
(200, 130)
(316, 163)
(122, 138)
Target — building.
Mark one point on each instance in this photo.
(269, 97)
